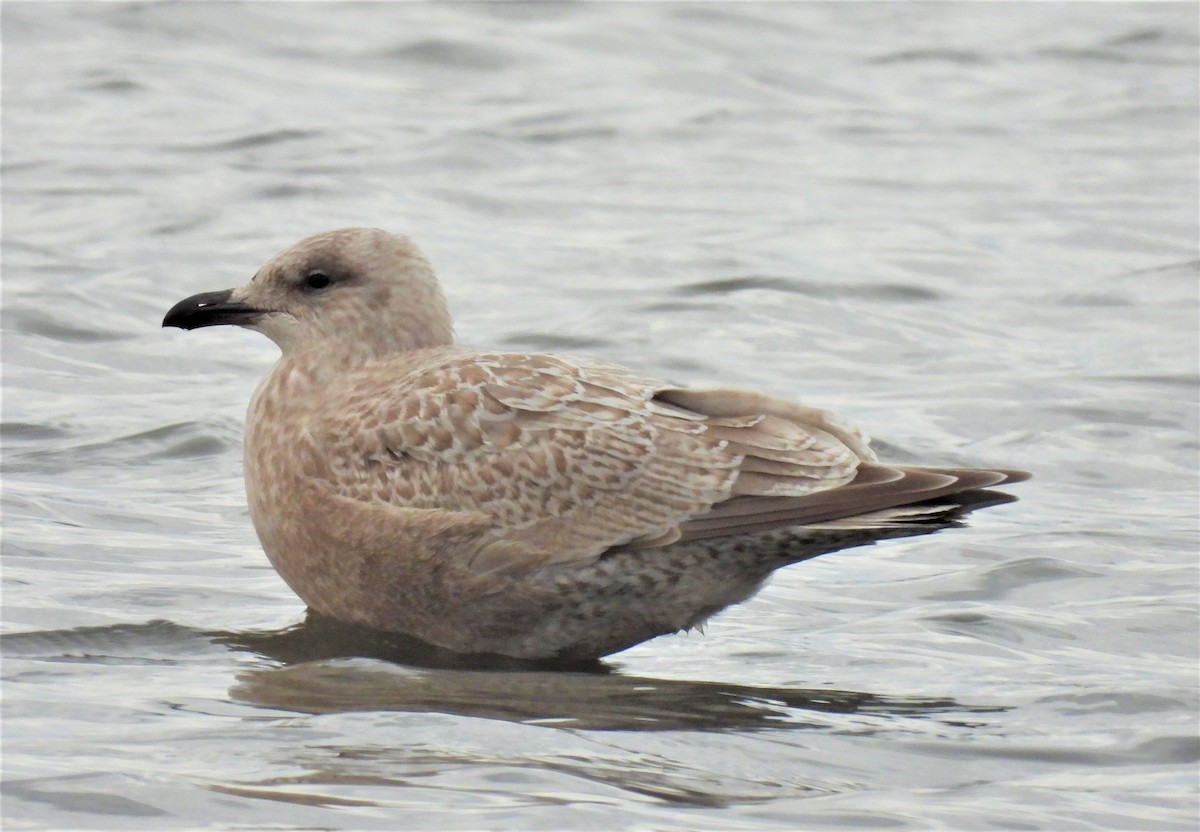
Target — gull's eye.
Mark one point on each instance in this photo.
(317, 280)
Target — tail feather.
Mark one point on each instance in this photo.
(803, 467)
(935, 514)
(879, 497)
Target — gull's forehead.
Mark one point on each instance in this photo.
(347, 249)
(324, 251)
(348, 254)
(330, 246)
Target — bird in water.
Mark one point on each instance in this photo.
(528, 505)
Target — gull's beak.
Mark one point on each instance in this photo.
(210, 309)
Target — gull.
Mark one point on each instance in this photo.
(534, 506)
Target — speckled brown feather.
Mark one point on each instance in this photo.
(568, 458)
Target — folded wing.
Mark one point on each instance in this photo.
(571, 458)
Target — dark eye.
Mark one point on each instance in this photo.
(317, 280)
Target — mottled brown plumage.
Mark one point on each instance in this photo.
(528, 505)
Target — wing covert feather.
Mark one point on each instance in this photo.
(568, 457)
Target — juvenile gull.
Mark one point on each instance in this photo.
(533, 506)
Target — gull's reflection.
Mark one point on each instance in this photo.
(417, 677)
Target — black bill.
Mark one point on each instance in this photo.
(210, 309)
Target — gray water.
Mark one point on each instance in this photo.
(970, 228)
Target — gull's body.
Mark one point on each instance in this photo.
(527, 505)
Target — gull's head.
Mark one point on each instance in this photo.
(355, 291)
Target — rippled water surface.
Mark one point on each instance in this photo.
(970, 228)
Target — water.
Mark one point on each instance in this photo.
(970, 228)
